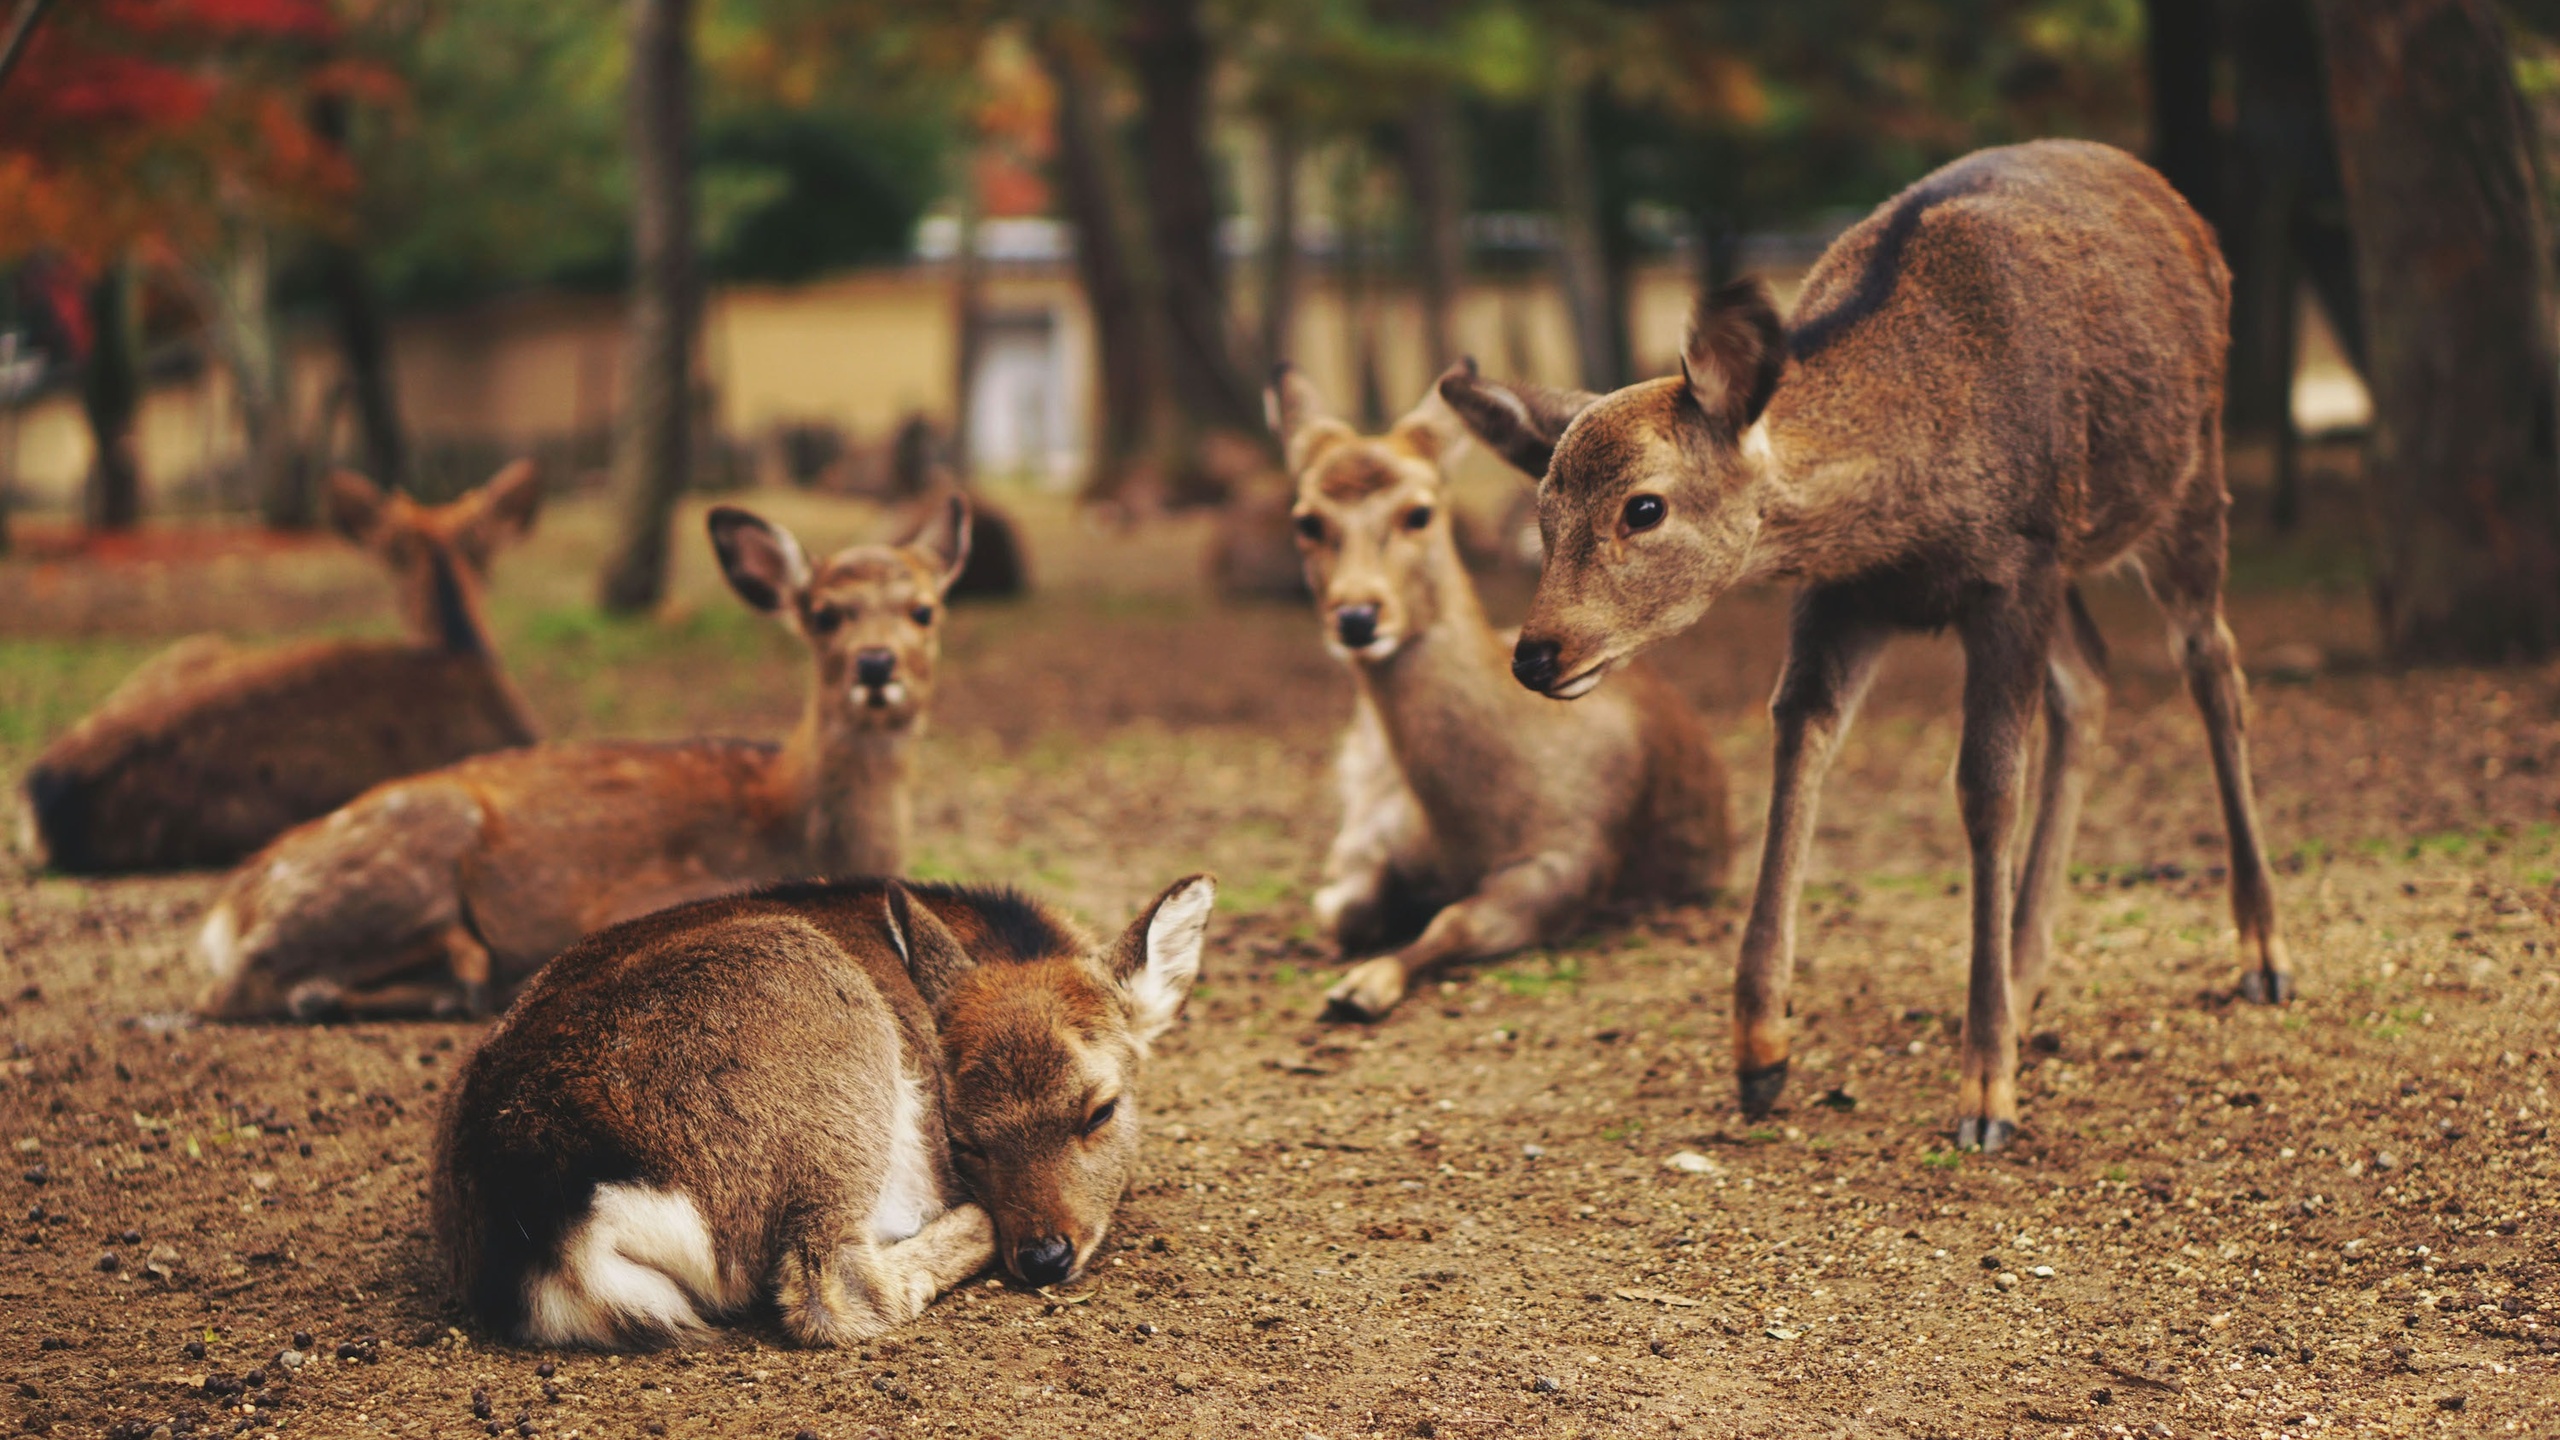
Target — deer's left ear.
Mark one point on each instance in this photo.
(1158, 957)
(934, 957)
(1519, 422)
(945, 538)
(1736, 351)
(502, 510)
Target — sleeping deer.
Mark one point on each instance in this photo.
(210, 750)
(423, 894)
(1481, 816)
(2008, 376)
(848, 1097)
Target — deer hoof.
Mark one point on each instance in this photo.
(1367, 992)
(1983, 1133)
(1759, 1089)
(315, 1000)
(2267, 987)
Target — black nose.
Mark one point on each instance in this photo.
(1357, 624)
(1044, 1262)
(874, 667)
(1533, 663)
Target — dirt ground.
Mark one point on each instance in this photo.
(2220, 1220)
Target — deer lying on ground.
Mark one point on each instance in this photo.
(423, 894)
(849, 1097)
(210, 750)
(1487, 818)
(2010, 375)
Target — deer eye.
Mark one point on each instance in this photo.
(922, 614)
(1643, 512)
(825, 619)
(1100, 1117)
(1417, 517)
(1311, 527)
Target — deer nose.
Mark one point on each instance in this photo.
(1533, 663)
(1045, 1261)
(1356, 624)
(874, 667)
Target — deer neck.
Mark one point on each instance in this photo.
(450, 616)
(848, 786)
(1449, 678)
(1826, 513)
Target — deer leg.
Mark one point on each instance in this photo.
(1515, 906)
(834, 1291)
(2007, 639)
(1832, 650)
(1366, 896)
(2075, 708)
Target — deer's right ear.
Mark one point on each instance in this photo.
(1736, 350)
(1295, 411)
(1520, 423)
(355, 505)
(1158, 958)
(933, 956)
(502, 510)
(945, 538)
(762, 561)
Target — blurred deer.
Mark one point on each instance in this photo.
(847, 1097)
(2008, 376)
(424, 894)
(211, 750)
(1482, 816)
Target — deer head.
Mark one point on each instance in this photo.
(1652, 495)
(438, 554)
(1370, 514)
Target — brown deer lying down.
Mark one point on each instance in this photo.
(2010, 375)
(847, 1096)
(1483, 816)
(422, 893)
(210, 751)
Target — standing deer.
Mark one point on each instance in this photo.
(424, 893)
(1482, 816)
(849, 1097)
(210, 750)
(2008, 376)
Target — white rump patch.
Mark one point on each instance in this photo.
(1173, 956)
(641, 1262)
(218, 943)
(908, 1196)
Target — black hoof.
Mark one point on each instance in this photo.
(1975, 1133)
(1759, 1089)
(1342, 1010)
(2267, 987)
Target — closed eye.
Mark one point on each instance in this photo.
(1100, 1117)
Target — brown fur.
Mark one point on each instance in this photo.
(1485, 817)
(210, 750)
(746, 1057)
(425, 893)
(2009, 376)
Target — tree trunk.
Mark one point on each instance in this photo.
(364, 343)
(1170, 56)
(653, 436)
(2455, 271)
(1280, 246)
(1097, 207)
(1356, 229)
(260, 376)
(2186, 146)
(1435, 181)
(1583, 272)
(111, 394)
(968, 320)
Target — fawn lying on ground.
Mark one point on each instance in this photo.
(1485, 817)
(210, 751)
(850, 1096)
(422, 893)
(2010, 375)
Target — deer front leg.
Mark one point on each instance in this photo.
(1383, 831)
(1515, 906)
(834, 1292)
(2075, 707)
(2005, 647)
(1832, 651)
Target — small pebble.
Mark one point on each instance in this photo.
(131, 1237)
(2042, 1272)
(291, 1359)
(2006, 1280)
(2386, 1161)
(1546, 1385)
(1534, 1152)
(195, 1349)
(301, 1339)
(2102, 1396)
(1144, 1328)
(1186, 1381)
(35, 1174)
(546, 1370)
(107, 1261)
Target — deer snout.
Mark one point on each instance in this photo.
(1533, 663)
(1046, 1260)
(874, 667)
(1356, 624)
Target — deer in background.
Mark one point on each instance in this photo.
(847, 1097)
(424, 895)
(1483, 817)
(211, 750)
(2010, 375)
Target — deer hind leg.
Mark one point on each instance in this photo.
(2075, 708)
(1832, 650)
(835, 1291)
(2007, 641)
(1515, 906)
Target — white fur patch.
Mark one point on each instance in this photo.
(1755, 444)
(1173, 956)
(642, 1261)
(218, 943)
(908, 1197)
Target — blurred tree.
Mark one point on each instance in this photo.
(1168, 53)
(2455, 266)
(364, 341)
(111, 395)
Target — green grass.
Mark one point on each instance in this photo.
(1533, 980)
(1942, 1159)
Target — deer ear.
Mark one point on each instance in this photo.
(944, 538)
(1158, 957)
(934, 957)
(355, 505)
(1430, 429)
(763, 563)
(502, 511)
(1737, 349)
(1520, 423)
(1297, 414)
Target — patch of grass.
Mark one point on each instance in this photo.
(1942, 1159)
(1761, 1135)
(1536, 980)
(2117, 1174)
(1256, 892)
(1623, 1130)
